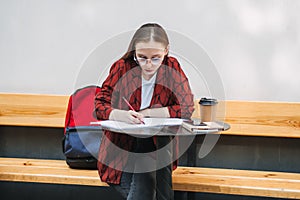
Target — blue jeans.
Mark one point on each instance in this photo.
(136, 186)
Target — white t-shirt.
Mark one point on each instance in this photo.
(147, 91)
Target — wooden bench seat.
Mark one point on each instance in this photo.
(46, 171)
(247, 118)
(222, 181)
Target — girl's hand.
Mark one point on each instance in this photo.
(156, 112)
(145, 112)
(129, 116)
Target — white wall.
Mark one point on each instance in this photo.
(254, 44)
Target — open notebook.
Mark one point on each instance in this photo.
(149, 122)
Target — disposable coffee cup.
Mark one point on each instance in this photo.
(208, 109)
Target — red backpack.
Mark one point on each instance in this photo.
(81, 140)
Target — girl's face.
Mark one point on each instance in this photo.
(150, 55)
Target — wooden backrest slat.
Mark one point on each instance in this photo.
(33, 110)
(248, 118)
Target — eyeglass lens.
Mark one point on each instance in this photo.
(154, 61)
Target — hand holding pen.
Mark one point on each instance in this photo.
(137, 115)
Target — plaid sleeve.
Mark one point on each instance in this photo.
(184, 103)
(103, 100)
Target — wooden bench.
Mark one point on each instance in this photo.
(223, 181)
(267, 119)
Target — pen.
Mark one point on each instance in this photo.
(131, 107)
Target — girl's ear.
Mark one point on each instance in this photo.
(167, 49)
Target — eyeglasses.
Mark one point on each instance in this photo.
(144, 61)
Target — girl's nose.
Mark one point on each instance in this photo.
(148, 63)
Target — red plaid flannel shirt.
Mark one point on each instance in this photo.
(171, 90)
